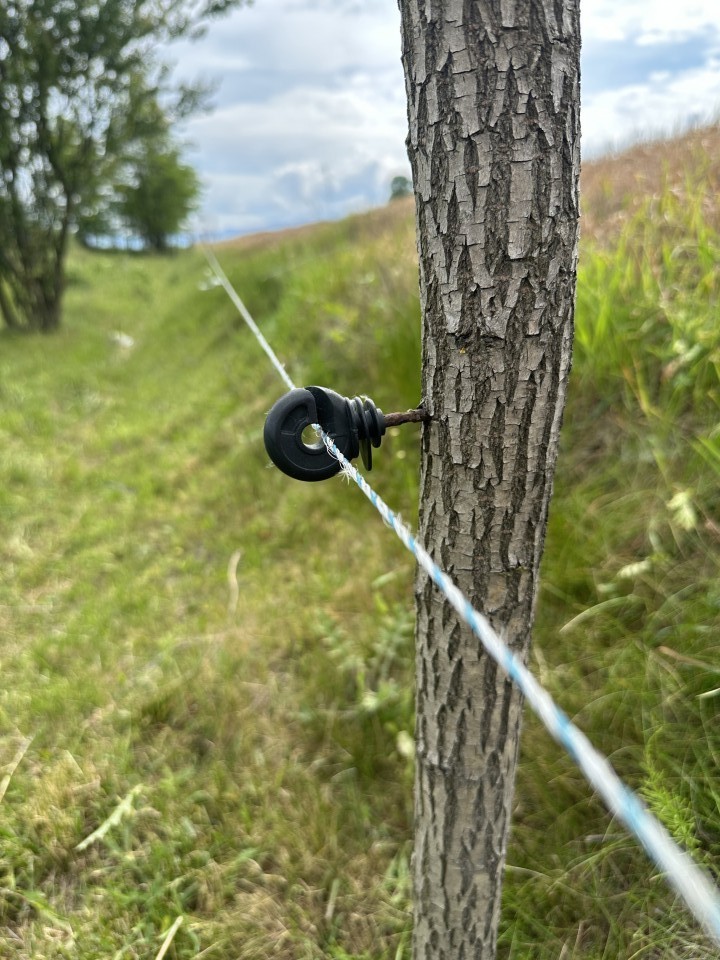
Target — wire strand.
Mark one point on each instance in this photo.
(689, 881)
(245, 314)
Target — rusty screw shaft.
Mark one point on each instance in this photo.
(418, 415)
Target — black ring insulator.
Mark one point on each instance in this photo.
(354, 425)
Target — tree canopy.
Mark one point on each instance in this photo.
(161, 196)
(81, 86)
(400, 187)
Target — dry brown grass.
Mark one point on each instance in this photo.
(616, 187)
(377, 220)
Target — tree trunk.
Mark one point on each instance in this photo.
(7, 310)
(493, 105)
(48, 316)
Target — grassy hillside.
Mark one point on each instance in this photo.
(206, 706)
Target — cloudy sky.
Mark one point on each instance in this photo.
(309, 115)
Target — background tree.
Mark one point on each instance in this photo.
(400, 187)
(493, 104)
(162, 196)
(74, 77)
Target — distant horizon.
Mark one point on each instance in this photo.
(229, 233)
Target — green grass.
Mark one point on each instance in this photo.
(215, 663)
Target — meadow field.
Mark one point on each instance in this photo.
(206, 707)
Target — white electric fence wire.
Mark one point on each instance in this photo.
(690, 882)
(245, 314)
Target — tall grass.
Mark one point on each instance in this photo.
(628, 624)
(207, 701)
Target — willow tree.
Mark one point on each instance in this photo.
(493, 106)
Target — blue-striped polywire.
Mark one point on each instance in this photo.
(696, 889)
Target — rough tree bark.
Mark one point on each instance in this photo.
(493, 105)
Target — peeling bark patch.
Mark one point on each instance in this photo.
(496, 438)
(456, 638)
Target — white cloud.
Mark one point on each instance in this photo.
(306, 120)
(612, 118)
(298, 38)
(648, 21)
